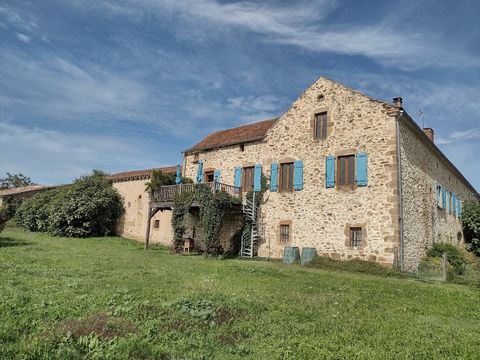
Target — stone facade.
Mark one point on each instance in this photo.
(134, 221)
(322, 217)
(425, 222)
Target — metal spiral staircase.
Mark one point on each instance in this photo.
(251, 233)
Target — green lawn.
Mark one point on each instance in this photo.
(142, 305)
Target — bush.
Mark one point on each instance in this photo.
(454, 256)
(474, 247)
(471, 220)
(88, 207)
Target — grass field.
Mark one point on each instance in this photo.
(54, 292)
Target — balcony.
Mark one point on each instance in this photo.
(164, 197)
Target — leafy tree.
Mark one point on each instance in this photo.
(14, 181)
(88, 207)
(471, 220)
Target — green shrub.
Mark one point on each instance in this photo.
(471, 220)
(88, 207)
(454, 256)
(474, 247)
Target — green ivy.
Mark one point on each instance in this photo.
(213, 208)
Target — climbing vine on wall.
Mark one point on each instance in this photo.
(213, 208)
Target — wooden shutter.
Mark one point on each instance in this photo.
(200, 171)
(330, 172)
(257, 178)
(238, 177)
(362, 174)
(298, 175)
(216, 175)
(274, 177)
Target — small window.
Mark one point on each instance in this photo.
(129, 204)
(209, 177)
(355, 237)
(286, 177)
(346, 170)
(156, 224)
(284, 233)
(242, 147)
(248, 178)
(320, 126)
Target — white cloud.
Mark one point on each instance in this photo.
(12, 17)
(303, 25)
(458, 136)
(49, 156)
(23, 38)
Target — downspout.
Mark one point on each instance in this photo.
(400, 191)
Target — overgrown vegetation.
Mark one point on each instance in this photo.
(108, 299)
(14, 181)
(455, 257)
(471, 226)
(213, 207)
(159, 179)
(88, 207)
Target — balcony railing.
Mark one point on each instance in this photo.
(166, 194)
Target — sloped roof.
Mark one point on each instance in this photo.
(25, 189)
(238, 135)
(139, 174)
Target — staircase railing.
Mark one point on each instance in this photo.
(250, 235)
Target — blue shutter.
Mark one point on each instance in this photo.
(237, 182)
(257, 178)
(459, 208)
(449, 202)
(444, 197)
(200, 172)
(298, 175)
(330, 172)
(274, 177)
(178, 176)
(362, 169)
(216, 175)
(454, 204)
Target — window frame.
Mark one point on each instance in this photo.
(348, 171)
(285, 229)
(322, 118)
(156, 224)
(290, 176)
(353, 237)
(208, 173)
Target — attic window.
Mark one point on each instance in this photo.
(320, 98)
(195, 158)
(242, 147)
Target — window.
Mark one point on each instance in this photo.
(320, 126)
(248, 178)
(355, 237)
(346, 170)
(156, 224)
(242, 147)
(209, 177)
(286, 177)
(284, 233)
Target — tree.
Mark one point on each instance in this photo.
(471, 220)
(159, 179)
(14, 181)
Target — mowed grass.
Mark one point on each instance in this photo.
(55, 291)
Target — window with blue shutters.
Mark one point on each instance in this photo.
(200, 171)
(237, 181)
(362, 173)
(298, 175)
(330, 172)
(274, 177)
(178, 175)
(454, 204)
(216, 175)
(257, 178)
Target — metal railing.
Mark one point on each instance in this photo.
(167, 193)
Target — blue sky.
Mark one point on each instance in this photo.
(128, 84)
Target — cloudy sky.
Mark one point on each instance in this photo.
(128, 84)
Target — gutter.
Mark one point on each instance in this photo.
(400, 191)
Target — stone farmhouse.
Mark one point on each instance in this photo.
(348, 175)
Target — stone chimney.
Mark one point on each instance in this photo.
(430, 134)
(397, 102)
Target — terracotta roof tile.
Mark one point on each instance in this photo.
(139, 174)
(238, 135)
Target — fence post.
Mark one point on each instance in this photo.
(444, 267)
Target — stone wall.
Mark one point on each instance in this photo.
(424, 222)
(320, 217)
(134, 221)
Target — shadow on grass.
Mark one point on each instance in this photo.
(11, 242)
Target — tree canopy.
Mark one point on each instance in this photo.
(14, 181)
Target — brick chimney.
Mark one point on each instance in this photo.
(397, 102)
(430, 134)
